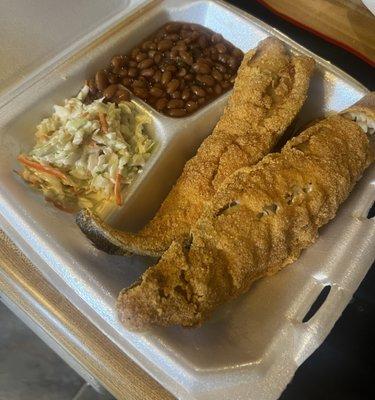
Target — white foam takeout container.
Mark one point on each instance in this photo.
(251, 348)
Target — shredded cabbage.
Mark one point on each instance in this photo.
(99, 148)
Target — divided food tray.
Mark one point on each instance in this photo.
(251, 348)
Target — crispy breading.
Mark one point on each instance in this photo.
(259, 221)
(270, 89)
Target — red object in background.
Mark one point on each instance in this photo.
(318, 33)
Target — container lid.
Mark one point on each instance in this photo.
(35, 34)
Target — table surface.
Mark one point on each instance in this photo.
(347, 23)
(343, 367)
(351, 64)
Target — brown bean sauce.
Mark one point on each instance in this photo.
(177, 70)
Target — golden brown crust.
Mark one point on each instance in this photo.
(260, 220)
(270, 89)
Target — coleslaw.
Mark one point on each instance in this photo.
(88, 153)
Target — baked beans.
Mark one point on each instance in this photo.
(177, 70)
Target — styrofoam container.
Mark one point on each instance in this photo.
(251, 347)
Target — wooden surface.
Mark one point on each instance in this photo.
(21, 282)
(348, 22)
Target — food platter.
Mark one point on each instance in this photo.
(252, 347)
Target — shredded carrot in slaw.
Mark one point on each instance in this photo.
(103, 122)
(43, 168)
(59, 205)
(118, 196)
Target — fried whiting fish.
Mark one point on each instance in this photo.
(270, 89)
(259, 221)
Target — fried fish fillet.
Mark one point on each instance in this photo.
(259, 221)
(270, 89)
